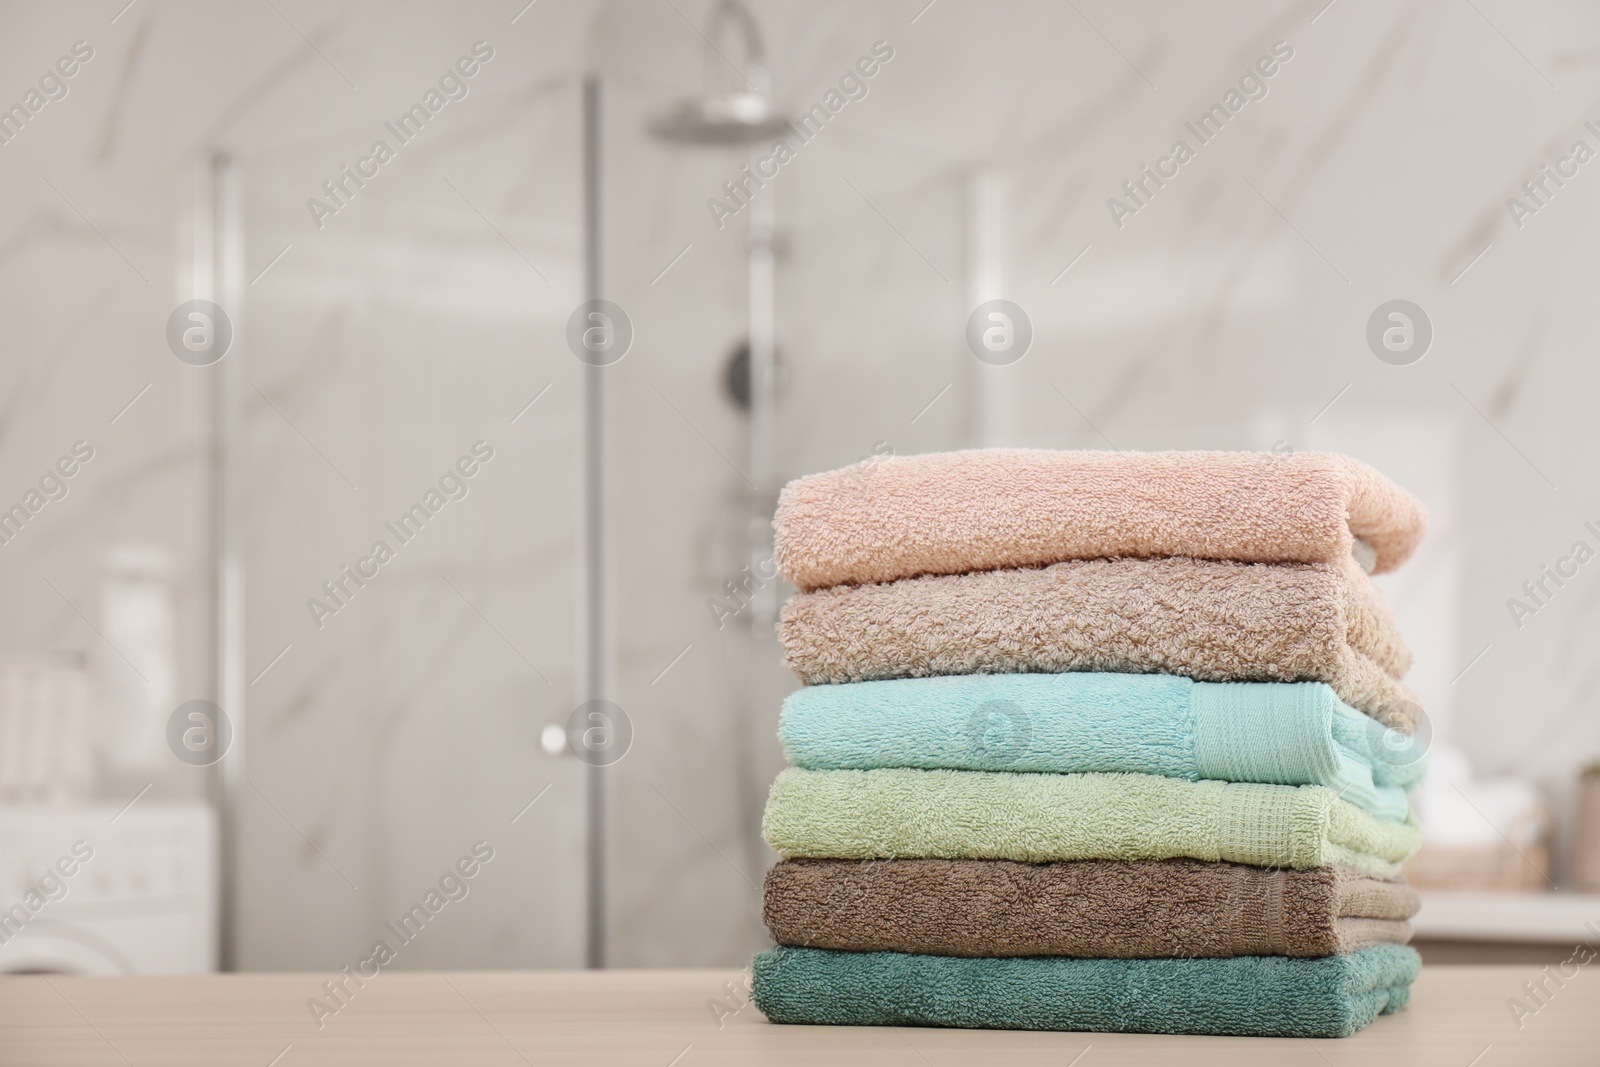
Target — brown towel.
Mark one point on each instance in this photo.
(952, 512)
(1096, 909)
(1209, 620)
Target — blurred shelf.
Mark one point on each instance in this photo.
(1547, 918)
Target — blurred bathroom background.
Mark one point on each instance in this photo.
(392, 331)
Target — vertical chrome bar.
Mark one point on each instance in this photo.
(990, 409)
(595, 661)
(762, 280)
(219, 277)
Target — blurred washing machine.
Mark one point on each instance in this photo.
(93, 889)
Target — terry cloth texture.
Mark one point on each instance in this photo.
(1207, 620)
(1040, 818)
(1257, 996)
(1095, 909)
(951, 512)
(1297, 733)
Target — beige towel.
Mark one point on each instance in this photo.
(1209, 620)
(951, 512)
(1097, 909)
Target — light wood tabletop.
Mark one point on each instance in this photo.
(1458, 1018)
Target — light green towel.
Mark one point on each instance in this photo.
(1256, 996)
(1040, 818)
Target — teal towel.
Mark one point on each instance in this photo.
(1252, 996)
(1283, 733)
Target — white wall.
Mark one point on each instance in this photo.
(408, 327)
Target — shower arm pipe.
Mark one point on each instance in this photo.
(732, 12)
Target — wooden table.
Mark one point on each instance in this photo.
(666, 1019)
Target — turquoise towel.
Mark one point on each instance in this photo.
(1283, 733)
(1253, 996)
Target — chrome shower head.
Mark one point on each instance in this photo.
(727, 112)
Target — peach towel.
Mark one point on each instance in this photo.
(987, 509)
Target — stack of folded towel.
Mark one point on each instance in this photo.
(1093, 741)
